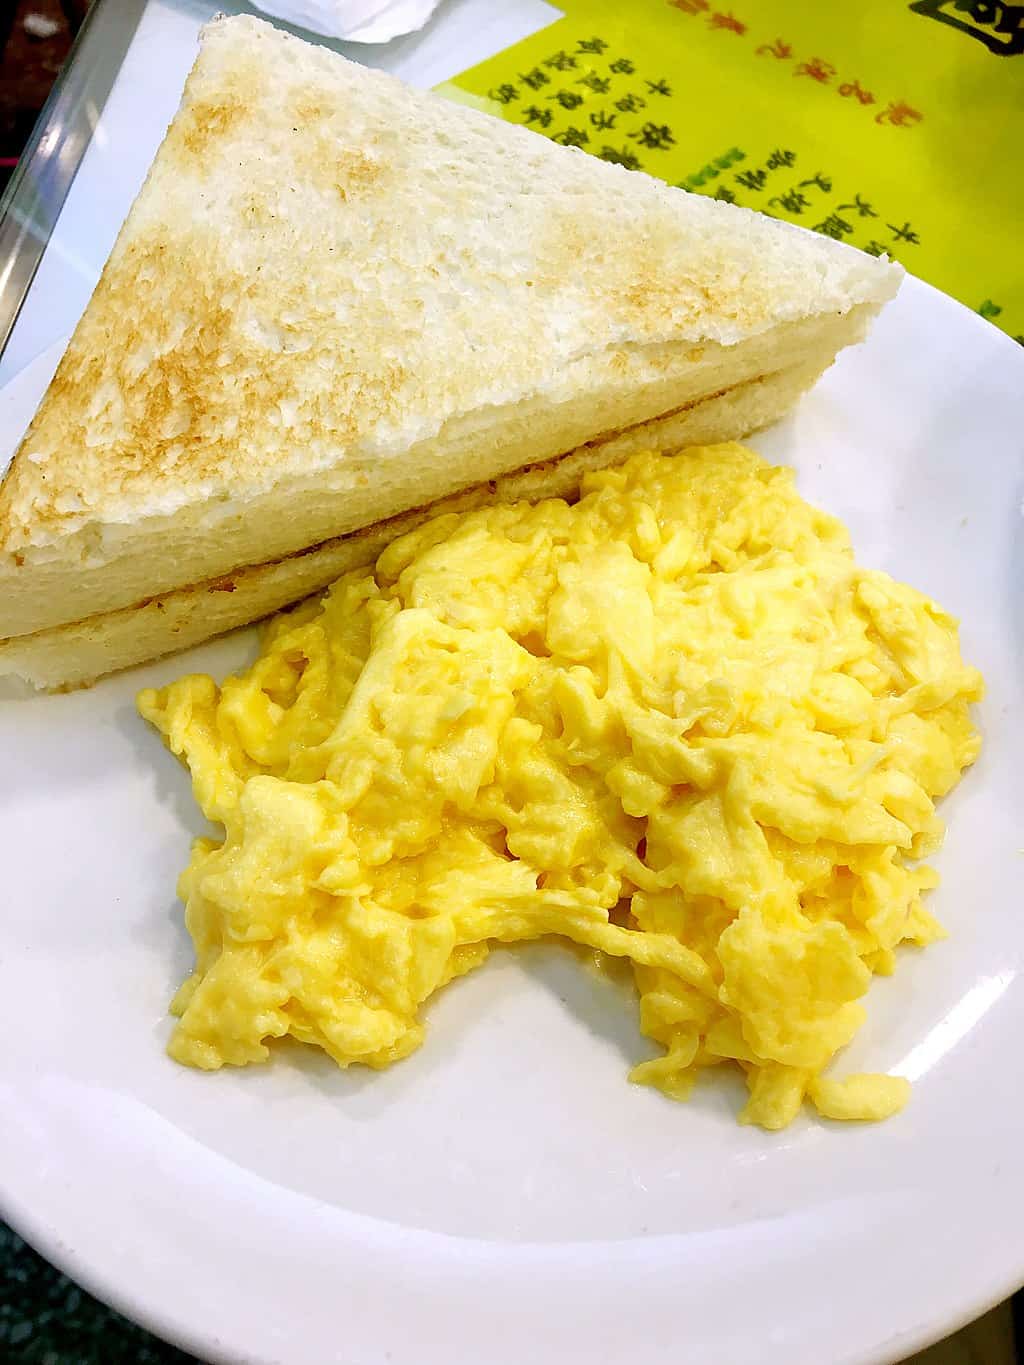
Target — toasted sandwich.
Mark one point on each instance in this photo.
(340, 305)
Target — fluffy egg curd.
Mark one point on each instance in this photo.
(674, 722)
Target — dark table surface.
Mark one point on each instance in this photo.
(28, 67)
(46, 1319)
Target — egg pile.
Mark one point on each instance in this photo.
(673, 721)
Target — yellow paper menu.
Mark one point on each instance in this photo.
(895, 126)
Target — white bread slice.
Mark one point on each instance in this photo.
(76, 655)
(337, 298)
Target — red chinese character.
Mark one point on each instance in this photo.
(727, 21)
(853, 88)
(777, 49)
(817, 69)
(899, 114)
(690, 6)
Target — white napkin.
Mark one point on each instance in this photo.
(357, 21)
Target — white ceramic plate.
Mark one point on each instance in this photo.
(504, 1195)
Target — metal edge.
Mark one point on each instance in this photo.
(35, 194)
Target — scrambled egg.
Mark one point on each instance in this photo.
(674, 722)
